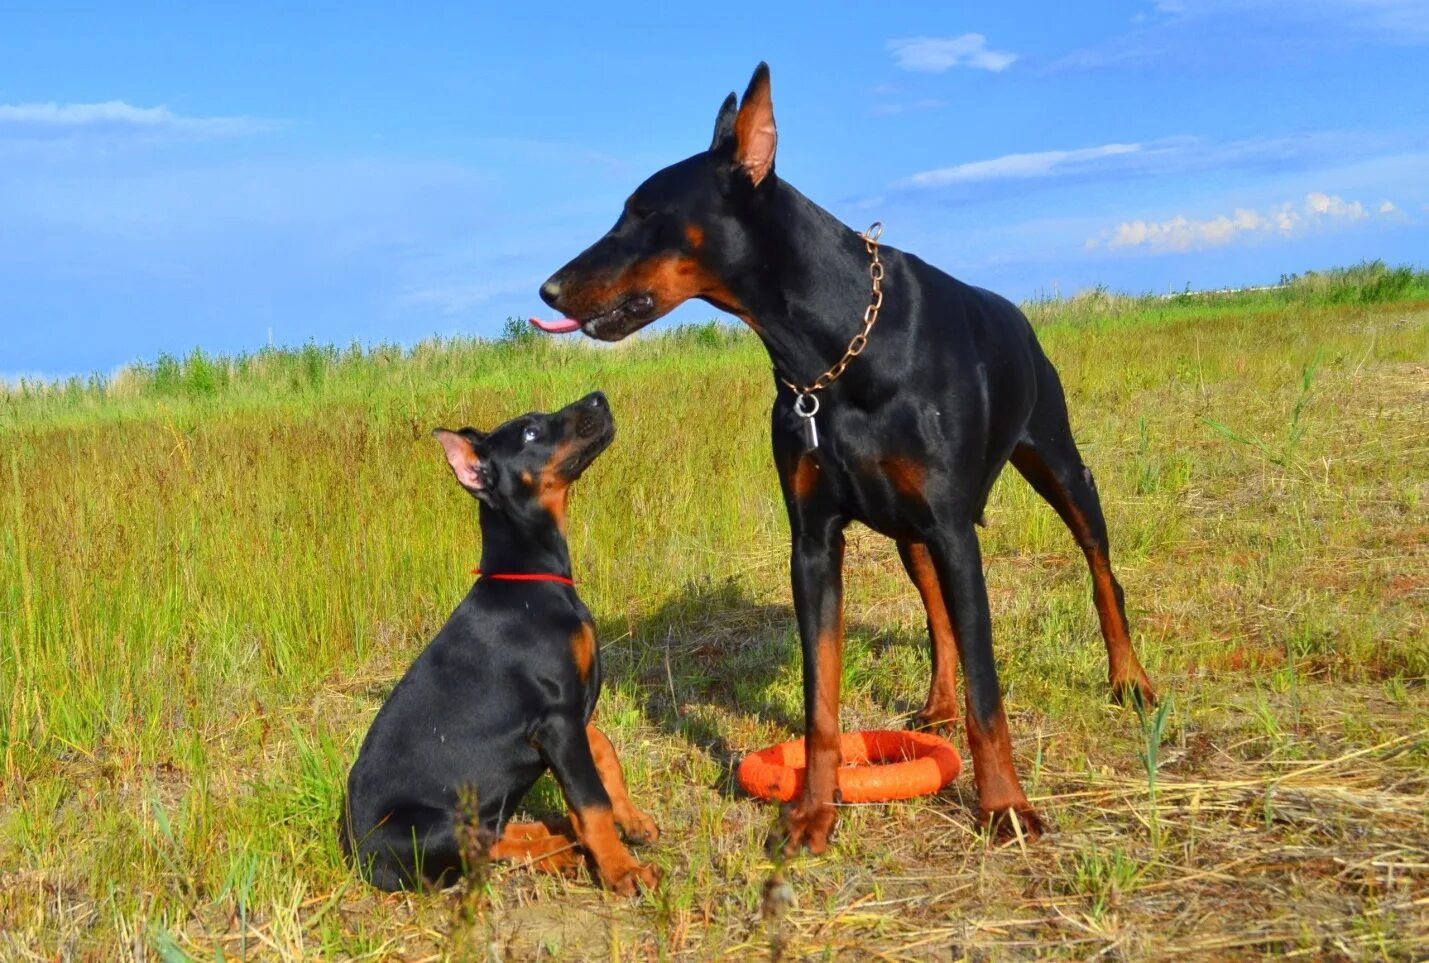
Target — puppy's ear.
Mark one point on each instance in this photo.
(460, 447)
(723, 140)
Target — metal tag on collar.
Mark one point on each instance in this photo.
(806, 406)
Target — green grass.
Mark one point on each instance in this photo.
(212, 570)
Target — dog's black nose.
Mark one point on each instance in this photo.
(550, 291)
(596, 399)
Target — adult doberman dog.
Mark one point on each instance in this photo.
(904, 428)
(504, 692)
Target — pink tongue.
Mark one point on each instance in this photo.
(561, 326)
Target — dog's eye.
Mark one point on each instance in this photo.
(530, 435)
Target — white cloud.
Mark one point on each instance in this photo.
(116, 115)
(1045, 163)
(933, 55)
(1317, 203)
(1317, 212)
(903, 107)
(74, 115)
(1169, 157)
(1387, 207)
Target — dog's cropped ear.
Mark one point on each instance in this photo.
(723, 140)
(460, 447)
(754, 131)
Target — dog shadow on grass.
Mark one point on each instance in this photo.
(711, 656)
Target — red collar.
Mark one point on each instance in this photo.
(525, 576)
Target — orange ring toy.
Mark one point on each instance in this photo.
(922, 764)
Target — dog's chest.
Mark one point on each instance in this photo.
(876, 469)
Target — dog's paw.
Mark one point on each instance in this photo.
(804, 825)
(567, 862)
(939, 720)
(1133, 690)
(637, 826)
(1008, 824)
(630, 876)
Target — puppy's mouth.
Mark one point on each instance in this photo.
(593, 436)
(627, 317)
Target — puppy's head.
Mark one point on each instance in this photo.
(525, 467)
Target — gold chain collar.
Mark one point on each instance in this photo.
(860, 340)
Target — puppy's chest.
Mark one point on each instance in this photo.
(562, 642)
(535, 628)
(585, 653)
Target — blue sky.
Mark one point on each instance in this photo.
(208, 174)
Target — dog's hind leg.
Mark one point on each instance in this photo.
(1048, 458)
(413, 847)
(536, 846)
(940, 711)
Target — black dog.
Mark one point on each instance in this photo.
(505, 691)
(907, 436)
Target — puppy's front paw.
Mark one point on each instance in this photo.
(637, 826)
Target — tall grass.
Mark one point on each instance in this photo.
(312, 371)
(212, 570)
(297, 378)
(1369, 282)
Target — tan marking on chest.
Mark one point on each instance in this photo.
(806, 475)
(583, 650)
(906, 475)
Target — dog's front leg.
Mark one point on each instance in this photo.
(566, 748)
(817, 573)
(636, 824)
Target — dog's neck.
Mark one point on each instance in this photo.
(522, 544)
(807, 295)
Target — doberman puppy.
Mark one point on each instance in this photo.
(908, 437)
(505, 691)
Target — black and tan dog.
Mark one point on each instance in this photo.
(901, 394)
(507, 688)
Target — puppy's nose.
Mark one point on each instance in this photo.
(550, 291)
(596, 399)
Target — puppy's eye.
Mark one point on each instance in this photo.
(530, 435)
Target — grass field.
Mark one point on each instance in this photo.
(212, 570)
